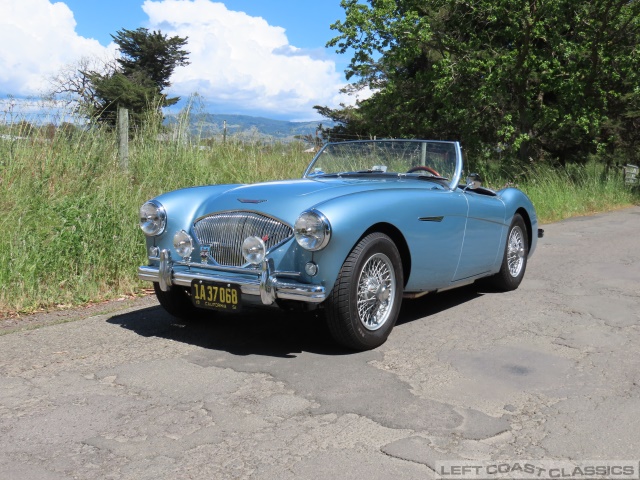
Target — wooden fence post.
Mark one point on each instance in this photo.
(123, 137)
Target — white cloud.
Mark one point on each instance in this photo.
(241, 63)
(38, 38)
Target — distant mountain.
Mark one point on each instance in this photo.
(212, 124)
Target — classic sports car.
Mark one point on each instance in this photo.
(369, 223)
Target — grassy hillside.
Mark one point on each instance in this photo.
(208, 125)
(70, 214)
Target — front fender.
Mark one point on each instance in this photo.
(405, 209)
(183, 207)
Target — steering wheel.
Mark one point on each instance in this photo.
(422, 168)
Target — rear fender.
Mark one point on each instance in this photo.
(517, 202)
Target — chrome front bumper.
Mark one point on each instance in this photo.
(263, 283)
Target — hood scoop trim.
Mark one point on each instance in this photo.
(250, 200)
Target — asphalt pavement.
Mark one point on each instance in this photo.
(549, 373)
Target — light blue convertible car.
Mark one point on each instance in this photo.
(368, 224)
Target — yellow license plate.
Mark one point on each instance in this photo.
(215, 295)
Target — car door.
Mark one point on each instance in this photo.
(484, 229)
(434, 230)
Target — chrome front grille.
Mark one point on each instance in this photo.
(225, 232)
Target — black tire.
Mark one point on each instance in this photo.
(374, 264)
(514, 259)
(177, 302)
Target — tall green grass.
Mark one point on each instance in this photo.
(563, 192)
(69, 224)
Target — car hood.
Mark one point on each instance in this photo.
(287, 199)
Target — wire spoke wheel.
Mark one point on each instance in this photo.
(365, 301)
(376, 287)
(514, 260)
(516, 251)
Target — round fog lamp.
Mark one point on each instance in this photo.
(183, 243)
(253, 250)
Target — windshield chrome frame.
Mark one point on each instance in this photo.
(453, 183)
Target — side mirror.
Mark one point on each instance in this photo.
(474, 181)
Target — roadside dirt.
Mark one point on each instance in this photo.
(19, 323)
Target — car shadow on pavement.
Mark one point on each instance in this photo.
(433, 303)
(270, 331)
(254, 331)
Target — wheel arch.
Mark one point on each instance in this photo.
(527, 223)
(517, 201)
(398, 239)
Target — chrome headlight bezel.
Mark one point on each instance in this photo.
(153, 218)
(312, 230)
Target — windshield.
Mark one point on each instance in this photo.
(419, 158)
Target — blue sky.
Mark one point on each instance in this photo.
(253, 57)
(306, 23)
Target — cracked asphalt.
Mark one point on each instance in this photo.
(549, 371)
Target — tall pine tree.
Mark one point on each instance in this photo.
(147, 61)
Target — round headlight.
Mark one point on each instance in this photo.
(153, 218)
(253, 250)
(183, 243)
(312, 230)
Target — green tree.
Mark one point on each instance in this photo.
(72, 83)
(531, 79)
(147, 61)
